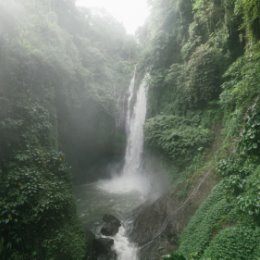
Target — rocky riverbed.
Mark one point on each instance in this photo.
(127, 227)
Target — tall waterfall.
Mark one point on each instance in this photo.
(131, 177)
(135, 132)
(129, 100)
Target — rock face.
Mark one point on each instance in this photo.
(157, 226)
(151, 231)
(111, 225)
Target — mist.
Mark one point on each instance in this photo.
(12, 13)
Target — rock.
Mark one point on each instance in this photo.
(150, 221)
(111, 219)
(158, 225)
(90, 250)
(99, 248)
(111, 226)
(103, 245)
(103, 248)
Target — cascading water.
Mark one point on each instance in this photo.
(129, 101)
(135, 125)
(124, 248)
(128, 189)
(132, 178)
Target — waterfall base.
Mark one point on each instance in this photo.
(120, 184)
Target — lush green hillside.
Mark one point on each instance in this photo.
(63, 77)
(62, 74)
(204, 115)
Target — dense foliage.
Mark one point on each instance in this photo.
(37, 212)
(203, 59)
(63, 76)
(177, 137)
(63, 72)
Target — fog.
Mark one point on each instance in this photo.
(11, 14)
(132, 14)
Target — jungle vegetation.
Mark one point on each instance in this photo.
(63, 73)
(204, 115)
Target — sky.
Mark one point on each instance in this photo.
(131, 13)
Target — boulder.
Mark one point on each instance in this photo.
(111, 225)
(111, 219)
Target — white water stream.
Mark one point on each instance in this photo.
(124, 248)
(135, 138)
(131, 179)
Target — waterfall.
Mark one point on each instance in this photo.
(125, 250)
(129, 101)
(135, 132)
(131, 178)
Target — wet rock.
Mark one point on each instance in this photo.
(158, 225)
(103, 248)
(90, 250)
(99, 248)
(103, 245)
(150, 220)
(111, 225)
(111, 219)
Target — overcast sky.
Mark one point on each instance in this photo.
(132, 13)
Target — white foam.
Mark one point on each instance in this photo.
(124, 249)
(132, 178)
(122, 184)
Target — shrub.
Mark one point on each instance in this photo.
(238, 243)
(203, 75)
(235, 174)
(241, 182)
(250, 10)
(249, 200)
(36, 203)
(179, 138)
(242, 80)
(202, 226)
(173, 257)
(250, 142)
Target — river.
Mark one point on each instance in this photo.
(94, 203)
